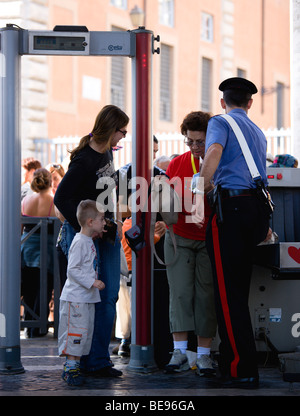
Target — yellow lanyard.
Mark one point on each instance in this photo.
(193, 164)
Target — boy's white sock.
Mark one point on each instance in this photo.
(180, 345)
(71, 364)
(202, 351)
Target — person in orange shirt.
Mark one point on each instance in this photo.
(123, 306)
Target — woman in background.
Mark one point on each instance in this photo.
(38, 204)
(57, 173)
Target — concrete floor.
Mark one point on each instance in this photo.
(43, 369)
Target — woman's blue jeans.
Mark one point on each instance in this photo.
(109, 272)
(109, 266)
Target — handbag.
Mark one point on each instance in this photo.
(135, 236)
(262, 192)
(164, 200)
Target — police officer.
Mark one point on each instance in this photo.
(233, 234)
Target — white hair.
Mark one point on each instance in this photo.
(161, 159)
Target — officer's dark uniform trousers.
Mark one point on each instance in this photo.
(230, 246)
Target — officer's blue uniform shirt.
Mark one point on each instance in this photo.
(233, 172)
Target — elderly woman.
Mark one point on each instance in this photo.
(190, 276)
(37, 204)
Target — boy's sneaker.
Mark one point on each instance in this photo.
(205, 366)
(179, 362)
(72, 377)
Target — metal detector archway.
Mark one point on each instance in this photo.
(15, 42)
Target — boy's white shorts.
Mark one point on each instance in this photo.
(76, 327)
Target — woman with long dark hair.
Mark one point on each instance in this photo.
(90, 174)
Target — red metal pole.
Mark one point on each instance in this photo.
(144, 152)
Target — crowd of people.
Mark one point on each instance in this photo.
(209, 280)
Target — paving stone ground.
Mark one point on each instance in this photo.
(43, 370)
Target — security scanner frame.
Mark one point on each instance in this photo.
(69, 40)
(275, 285)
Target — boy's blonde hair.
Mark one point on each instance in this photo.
(88, 209)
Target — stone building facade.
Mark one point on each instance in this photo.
(202, 43)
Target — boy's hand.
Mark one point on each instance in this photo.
(99, 284)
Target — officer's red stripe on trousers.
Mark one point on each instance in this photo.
(223, 296)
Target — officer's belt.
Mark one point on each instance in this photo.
(229, 193)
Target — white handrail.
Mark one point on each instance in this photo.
(279, 141)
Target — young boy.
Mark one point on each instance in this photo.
(80, 292)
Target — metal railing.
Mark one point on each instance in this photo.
(41, 321)
(279, 141)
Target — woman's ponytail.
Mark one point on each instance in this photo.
(83, 143)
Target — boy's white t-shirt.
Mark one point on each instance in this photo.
(81, 272)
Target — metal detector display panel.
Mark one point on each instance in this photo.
(60, 43)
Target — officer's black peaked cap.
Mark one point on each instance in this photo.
(238, 84)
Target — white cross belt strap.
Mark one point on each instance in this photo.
(244, 146)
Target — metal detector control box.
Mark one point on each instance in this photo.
(78, 43)
(58, 43)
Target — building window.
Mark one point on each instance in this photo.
(118, 80)
(241, 73)
(166, 12)
(166, 83)
(206, 84)
(280, 104)
(91, 88)
(207, 31)
(122, 4)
